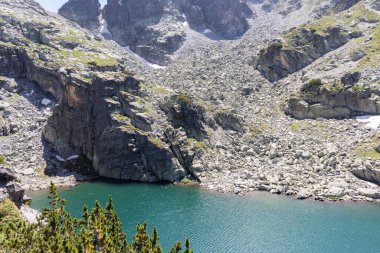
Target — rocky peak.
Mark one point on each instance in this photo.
(155, 29)
(84, 12)
(226, 18)
(145, 28)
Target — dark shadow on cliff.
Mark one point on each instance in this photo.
(43, 101)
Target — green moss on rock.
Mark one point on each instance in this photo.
(121, 118)
(3, 160)
(132, 128)
(182, 97)
(157, 142)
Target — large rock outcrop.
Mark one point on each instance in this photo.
(84, 12)
(97, 127)
(370, 175)
(183, 112)
(334, 6)
(341, 99)
(9, 188)
(284, 57)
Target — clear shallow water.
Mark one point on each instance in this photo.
(217, 223)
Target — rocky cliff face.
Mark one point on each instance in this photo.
(145, 28)
(107, 118)
(103, 113)
(227, 18)
(113, 139)
(84, 12)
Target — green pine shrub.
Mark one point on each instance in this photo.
(98, 230)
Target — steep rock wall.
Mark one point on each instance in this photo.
(84, 12)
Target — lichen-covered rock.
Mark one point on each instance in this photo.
(183, 112)
(230, 121)
(341, 99)
(341, 5)
(9, 84)
(10, 64)
(16, 62)
(231, 136)
(114, 143)
(370, 193)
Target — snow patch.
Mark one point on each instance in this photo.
(29, 94)
(45, 101)
(72, 157)
(185, 23)
(156, 66)
(104, 28)
(59, 158)
(371, 121)
(206, 31)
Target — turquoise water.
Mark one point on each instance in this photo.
(217, 223)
